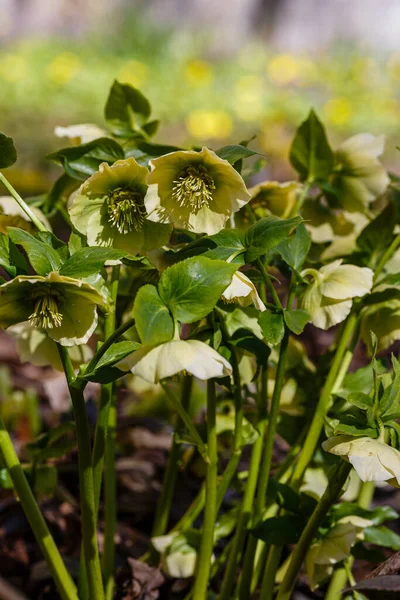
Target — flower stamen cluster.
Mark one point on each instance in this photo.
(126, 210)
(46, 313)
(193, 188)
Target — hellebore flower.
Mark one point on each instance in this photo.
(384, 320)
(35, 346)
(372, 459)
(62, 306)
(12, 215)
(360, 178)
(109, 209)
(272, 197)
(243, 291)
(80, 134)
(195, 190)
(171, 358)
(329, 298)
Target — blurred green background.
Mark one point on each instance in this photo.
(247, 69)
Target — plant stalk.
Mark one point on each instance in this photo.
(203, 565)
(22, 204)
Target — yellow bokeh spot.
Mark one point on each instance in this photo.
(284, 69)
(133, 72)
(207, 124)
(63, 68)
(338, 111)
(198, 72)
(13, 67)
(249, 98)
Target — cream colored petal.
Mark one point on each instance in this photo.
(331, 312)
(180, 564)
(338, 444)
(347, 281)
(207, 221)
(126, 173)
(366, 143)
(82, 133)
(82, 209)
(78, 323)
(336, 545)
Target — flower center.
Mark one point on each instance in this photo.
(46, 314)
(193, 188)
(126, 210)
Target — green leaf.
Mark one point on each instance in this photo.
(294, 249)
(377, 515)
(143, 151)
(382, 536)
(361, 400)
(360, 380)
(152, 317)
(377, 235)
(126, 109)
(76, 242)
(53, 444)
(5, 480)
(310, 153)
(296, 319)
(280, 530)
(390, 400)
(151, 127)
(192, 287)
(11, 259)
(266, 234)
(89, 261)
(46, 479)
(104, 371)
(58, 245)
(42, 256)
(246, 339)
(357, 429)
(226, 244)
(234, 152)
(8, 153)
(82, 161)
(272, 326)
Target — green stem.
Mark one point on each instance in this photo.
(110, 500)
(248, 500)
(331, 494)
(271, 567)
(203, 565)
(268, 283)
(186, 420)
(88, 512)
(340, 576)
(245, 582)
(171, 472)
(301, 199)
(22, 204)
(62, 578)
(324, 401)
(107, 344)
(387, 256)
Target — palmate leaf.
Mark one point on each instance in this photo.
(8, 153)
(266, 234)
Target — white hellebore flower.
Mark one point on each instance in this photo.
(243, 291)
(166, 360)
(80, 134)
(372, 459)
(329, 298)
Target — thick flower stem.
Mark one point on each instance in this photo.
(246, 577)
(88, 512)
(340, 576)
(247, 504)
(268, 283)
(171, 472)
(22, 204)
(330, 496)
(203, 565)
(322, 407)
(65, 586)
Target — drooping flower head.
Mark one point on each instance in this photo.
(243, 291)
(109, 209)
(329, 297)
(372, 459)
(176, 356)
(62, 306)
(195, 190)
(360, 177)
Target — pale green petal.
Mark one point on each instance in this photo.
(78, 324)
(207, 221)
(384, 320)
(82, 209)
(346, 281)
(331, 312)
(99, 231)
(82, 133)
(273, 197)
(365, 143)
(14, 300)
(312, 298)
(125, 173)
(35, 346)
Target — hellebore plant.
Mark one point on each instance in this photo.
(174, 271)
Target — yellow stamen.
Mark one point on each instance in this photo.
(193, 188)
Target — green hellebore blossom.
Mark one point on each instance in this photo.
(329, 298)
(384, 320)
(198, 191)
(65, 308)
(12, 215)
(360, 178)
(109, 209)
(274, 198)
